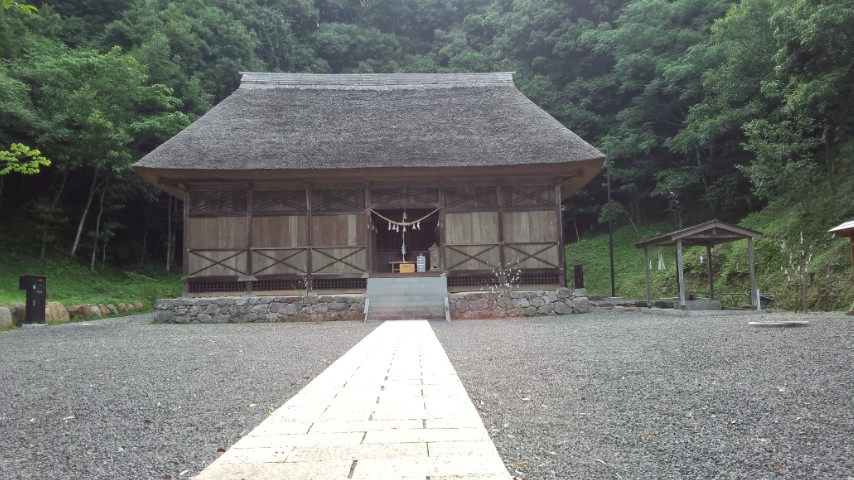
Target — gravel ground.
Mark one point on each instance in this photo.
(124, 398)
(620, 394)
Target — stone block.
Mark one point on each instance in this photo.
(220, 318)
(114, 310)
(564, 293)
(57, 312)
(530, 311)
(5, 317)
(104, 310)
(550, 297)
(338, 306)
(537, 302)
(562, 308)
(94, 311)
(164, 316)
(203, 318)
(137, 305)
(211, 309)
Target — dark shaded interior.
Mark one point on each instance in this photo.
(387, 242)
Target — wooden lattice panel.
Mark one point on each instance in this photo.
(339, 260)
(205, 202)
(216, 286)
(532, 255)
(529, 196)
(211, 263)
(279, 261)
(472, 257)
(404, 196)
(346, 284)
(279, 285)
(465, 197)
(279, 201)
(338, 200)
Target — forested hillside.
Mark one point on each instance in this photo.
(723, 107)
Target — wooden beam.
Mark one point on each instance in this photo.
(680, 277)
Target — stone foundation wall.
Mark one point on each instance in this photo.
(351, 307)
(310, 308)
(518, 304)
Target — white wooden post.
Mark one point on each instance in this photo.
(680, 275)
(646, 272)
(750, 260)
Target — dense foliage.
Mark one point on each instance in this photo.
(719, 105)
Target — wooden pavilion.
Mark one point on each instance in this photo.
(846, 230)
(315, 181)
(708, 234)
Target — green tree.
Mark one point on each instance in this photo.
(100, 108)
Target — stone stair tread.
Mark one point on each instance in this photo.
(407, 298)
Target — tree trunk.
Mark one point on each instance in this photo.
(703, 180)
(97, 229)
(61, 188)
(92, 189)
(2, 181)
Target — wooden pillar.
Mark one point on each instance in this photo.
(680, 277)
(750, 261)
(308, 266)
(371, 234)
(502, 260)
(561, 246)
(711, 273)
(249, 268)
(186, 244)
(440, 230)
(646, 275)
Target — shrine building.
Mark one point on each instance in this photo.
(310, 181)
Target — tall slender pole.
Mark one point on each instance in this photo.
(610, 229)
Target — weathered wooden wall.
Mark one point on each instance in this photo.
(278, 237)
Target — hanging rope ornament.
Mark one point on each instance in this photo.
(660, 260)
(404, 224)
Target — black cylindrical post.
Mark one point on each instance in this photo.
(36, 288)
(579, 276)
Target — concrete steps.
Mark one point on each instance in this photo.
(406, 298)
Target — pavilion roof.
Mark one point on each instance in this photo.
(710, 233)
(845, 229)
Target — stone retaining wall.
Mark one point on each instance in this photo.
(518, 304)
(259, 309)
(351, 307)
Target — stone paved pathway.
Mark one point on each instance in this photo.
(390, 408)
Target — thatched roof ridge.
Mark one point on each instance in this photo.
(374, 81)
(299, 122)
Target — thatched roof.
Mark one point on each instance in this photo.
(294, 122)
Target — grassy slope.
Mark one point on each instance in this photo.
(70, 282)
(828, 277)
